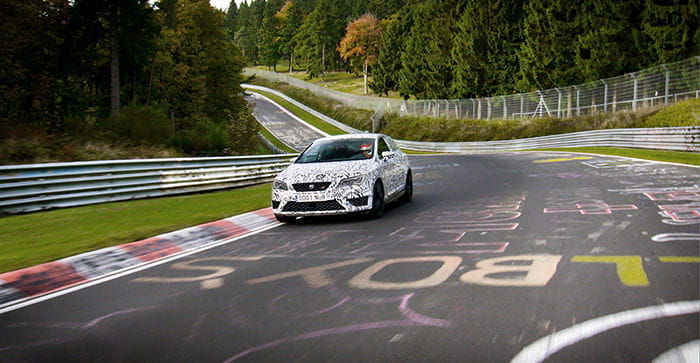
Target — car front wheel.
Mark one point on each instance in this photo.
(377, 200)
(408, 189)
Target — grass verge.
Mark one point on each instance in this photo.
(311, 119)
(31, 239)
(680, 157)
(275, 141)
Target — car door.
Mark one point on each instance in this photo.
(390, 165)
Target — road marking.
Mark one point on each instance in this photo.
(546, 346)
(688, 352)
(217, 271)
(679, 259)
(562, 159)
(212, 284)
(363, 280)
(315, 276)
(630, 270)
(668, 237)
(538, 273)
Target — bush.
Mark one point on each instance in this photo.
(684, 113)
(146, 124)
(203, 138)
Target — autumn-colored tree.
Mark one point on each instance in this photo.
(361, 43)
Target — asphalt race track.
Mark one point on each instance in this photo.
(510, 256)
(281, 124)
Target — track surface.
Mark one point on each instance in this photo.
(285, 127)
(576, 238)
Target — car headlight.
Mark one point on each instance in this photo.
(278, 184)
(356, 180)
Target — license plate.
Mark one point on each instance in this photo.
(308, 198)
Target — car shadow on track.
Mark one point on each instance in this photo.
(350, 218)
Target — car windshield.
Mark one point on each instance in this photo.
(338, 150)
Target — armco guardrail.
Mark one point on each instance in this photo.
(666, 138)
(26, 188)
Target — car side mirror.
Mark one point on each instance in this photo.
(387, 154)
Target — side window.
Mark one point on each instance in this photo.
(383, 146)
(392, 144)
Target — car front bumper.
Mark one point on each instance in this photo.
(330, 202)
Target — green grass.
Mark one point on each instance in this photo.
(275, 141)
(680, 157)
(31, 239)
(311, 119)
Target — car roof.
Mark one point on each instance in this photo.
(352, 136)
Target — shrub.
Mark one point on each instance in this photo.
(202, 138)
(684, 113)
(147, 124)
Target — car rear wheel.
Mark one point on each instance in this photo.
(285, 219)
(377, 200)
(408, 189)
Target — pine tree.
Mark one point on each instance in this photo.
(385, 72)
(484, 53)
(547, 56)
(426, 63)
(232, 19)
(670, 30)
(318, 37)
(290, 18)
(608, 42)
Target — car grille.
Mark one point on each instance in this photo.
(327, 205)
(311, 187)
(359, 202)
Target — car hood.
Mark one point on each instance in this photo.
(326, 172)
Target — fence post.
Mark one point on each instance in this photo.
(634, 93)
(558, 102)
(605, 96)
(522, 105)
(473, 108)
(488, 110)
(578, 98)
(505, 108)
(478, 112)
(667, 84)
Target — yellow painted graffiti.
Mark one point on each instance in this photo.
(560, 160)
(629, 268)
(679, 259)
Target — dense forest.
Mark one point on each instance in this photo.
(168, 72)
(458, 48)
(159, 73)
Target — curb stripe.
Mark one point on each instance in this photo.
(50, 277)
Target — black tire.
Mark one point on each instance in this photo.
(285, 219)
(408, 189)
(377, 200)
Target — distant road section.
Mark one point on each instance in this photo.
(288, 129)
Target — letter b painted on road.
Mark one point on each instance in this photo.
(364, 279)
(538, 272)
